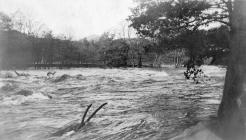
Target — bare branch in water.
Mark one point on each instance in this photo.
(17, 73)
(83, 118)
(21, 74)
(76, 127)
(51, 73)
(94, 113)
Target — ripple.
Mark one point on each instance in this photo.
(142, 103)
(20, 99)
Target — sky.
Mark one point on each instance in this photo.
(78, 18)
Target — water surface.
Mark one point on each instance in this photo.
(142, 103)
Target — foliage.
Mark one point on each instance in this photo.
(173, 24)
(163, 26)
(162, 20)
(25, 48)
(117, 54)
(218, 44)
(194, 73)
(5, 22)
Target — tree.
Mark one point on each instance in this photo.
(116, 55)
(217, 48)
(221, 12)
(137, 48)
(135, 42)
(195, 43)
(105, 42)
(6, 22)
(163, 21)
(48, 51)
(232, 110)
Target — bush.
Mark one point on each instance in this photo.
(117, 54)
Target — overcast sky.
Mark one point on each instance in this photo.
(78, 17)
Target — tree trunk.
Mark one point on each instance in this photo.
(232, 110)
(140, 60)
(157, 61)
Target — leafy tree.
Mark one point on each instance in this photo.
(116, 55)
(6, 23)
(105, 42)
(195, 43)
(167, 21)
(221, 12)
(163, 21)
(218, 45)
(137, 48)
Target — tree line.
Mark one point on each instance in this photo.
(168, 29)
(22, 44)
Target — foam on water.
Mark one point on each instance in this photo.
(8, 87)
(20, 99)
(62, 78)
(213, 70)
(142, 103)
(1, 84)
(7, 74)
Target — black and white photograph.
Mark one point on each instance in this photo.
(122, 69)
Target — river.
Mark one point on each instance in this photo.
(142, 103)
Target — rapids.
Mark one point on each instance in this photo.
(142, 103)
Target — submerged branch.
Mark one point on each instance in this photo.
(82, 123)
(94, 113)
(17, 73)
(21, 74)
(77, 126)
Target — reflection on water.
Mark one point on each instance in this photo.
(142, 103)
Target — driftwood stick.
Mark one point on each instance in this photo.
(88, 108)
(82, 123)
(21, 74)
(17, 73)
(94, 113)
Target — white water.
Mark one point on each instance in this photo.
(142, 103)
